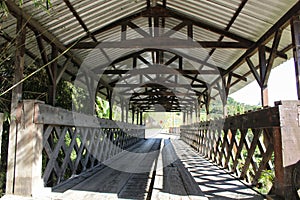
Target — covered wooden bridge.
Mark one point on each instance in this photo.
(149, 56)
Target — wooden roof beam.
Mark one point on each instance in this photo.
(36, 58)
(76, 15)
(37, 27)
(280, 24)
(168, 85)
(159, 42)
(156, 70)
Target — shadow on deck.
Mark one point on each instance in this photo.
(156, 168)
(172, 170)
(214, 182)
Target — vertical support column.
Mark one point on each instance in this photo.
(137, 117)
(132, 116)
(109, 96)
(196, 112)
(127, 110)
(141, 118)
(53, 68)
(16, 98)
(264, 96)
(263, 72)
(191, 116)
(1, 130)
(122, 110)
(287, 149)
(295, 24)
(184, 118)
(91, 97)
(26, 173)
(187, 117)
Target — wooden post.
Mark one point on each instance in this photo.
(137, 117)
(196, 112)
(109, 96)
(1, 130)
(122, 110)
(127, 110)
(295, 24)
(16, 98)
(132, 116)
(187, 117)
(26, 172)
(263, 71)
(184, 118)
(53, 68)
(264, 96)
(287, 149)
(141, 118)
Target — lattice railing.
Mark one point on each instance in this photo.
(243, 144)
(74, 143)
(64, 143)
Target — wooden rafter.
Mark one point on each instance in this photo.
(280, 24)
(76, 15)
(36, 26)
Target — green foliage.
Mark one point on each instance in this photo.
(234, 107)
(265, 181)
(70, 97)
(42, 4)
(102, 108)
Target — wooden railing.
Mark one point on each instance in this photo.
(244, 144)
(53, 144)
(76, 142)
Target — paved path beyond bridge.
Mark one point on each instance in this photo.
(159, 168)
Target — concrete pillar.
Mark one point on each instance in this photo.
(25, 175)
(287, 149)
(16, 98)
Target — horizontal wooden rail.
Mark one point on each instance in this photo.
(248, 144)
(54, 145)
(46, 114)
(75, 142)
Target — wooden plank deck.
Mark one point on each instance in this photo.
(172, 170)
(214, 182)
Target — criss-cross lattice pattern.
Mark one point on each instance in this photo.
(243, 150)
(70, 150)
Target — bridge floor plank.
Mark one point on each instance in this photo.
(157, 169)
(214, 182)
